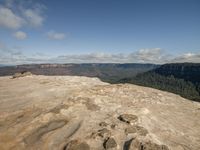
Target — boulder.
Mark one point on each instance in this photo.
(76, 145)
(110, 143)
(148, 145)
(128, 118)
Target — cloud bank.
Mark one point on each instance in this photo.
(9, 55)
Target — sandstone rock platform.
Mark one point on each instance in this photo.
(70, 112)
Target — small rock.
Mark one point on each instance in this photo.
(141, 131)
(140, 145)
(110, 143)
(128, 118)
(113, 126)
(136, 129)
(76, 145)
(104, 133)
(103, 124)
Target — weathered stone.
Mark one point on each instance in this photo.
(104, 133)
(58, 108)
(39, 132)
(103, 124)
(113, 126)
(140, 145)
(110, 143)
(22, 74)
(136, 129)
(76, 145)
(16, 75)
(141, 131)
(131, 129)
(91, 106)
(32, 114)
(128, 118)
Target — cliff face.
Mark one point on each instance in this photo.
(186, 71)
(40, 112)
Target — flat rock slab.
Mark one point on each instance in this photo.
(71, 112)
(136, 129)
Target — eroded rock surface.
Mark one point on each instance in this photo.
(80, 113)
(110, 143)
(136, 129)
(128, 118)
(21, 74)
(136, 144)
(76, 145)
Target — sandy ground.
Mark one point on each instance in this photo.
(54, 112)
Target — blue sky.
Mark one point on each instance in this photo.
(144, 31)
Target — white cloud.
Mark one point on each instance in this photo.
(20, 35)
(55, 35)
(153, 55)
(33, 17)
(188, 57)
(15, 14)
(8, 19)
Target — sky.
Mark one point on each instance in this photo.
(99, 31)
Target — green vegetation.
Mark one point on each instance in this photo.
(178, 78)
(167, 83)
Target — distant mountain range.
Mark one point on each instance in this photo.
(106, 72)
(179, 78)
(2, 65)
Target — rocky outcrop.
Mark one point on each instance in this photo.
(21, 74)
(80, 113)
